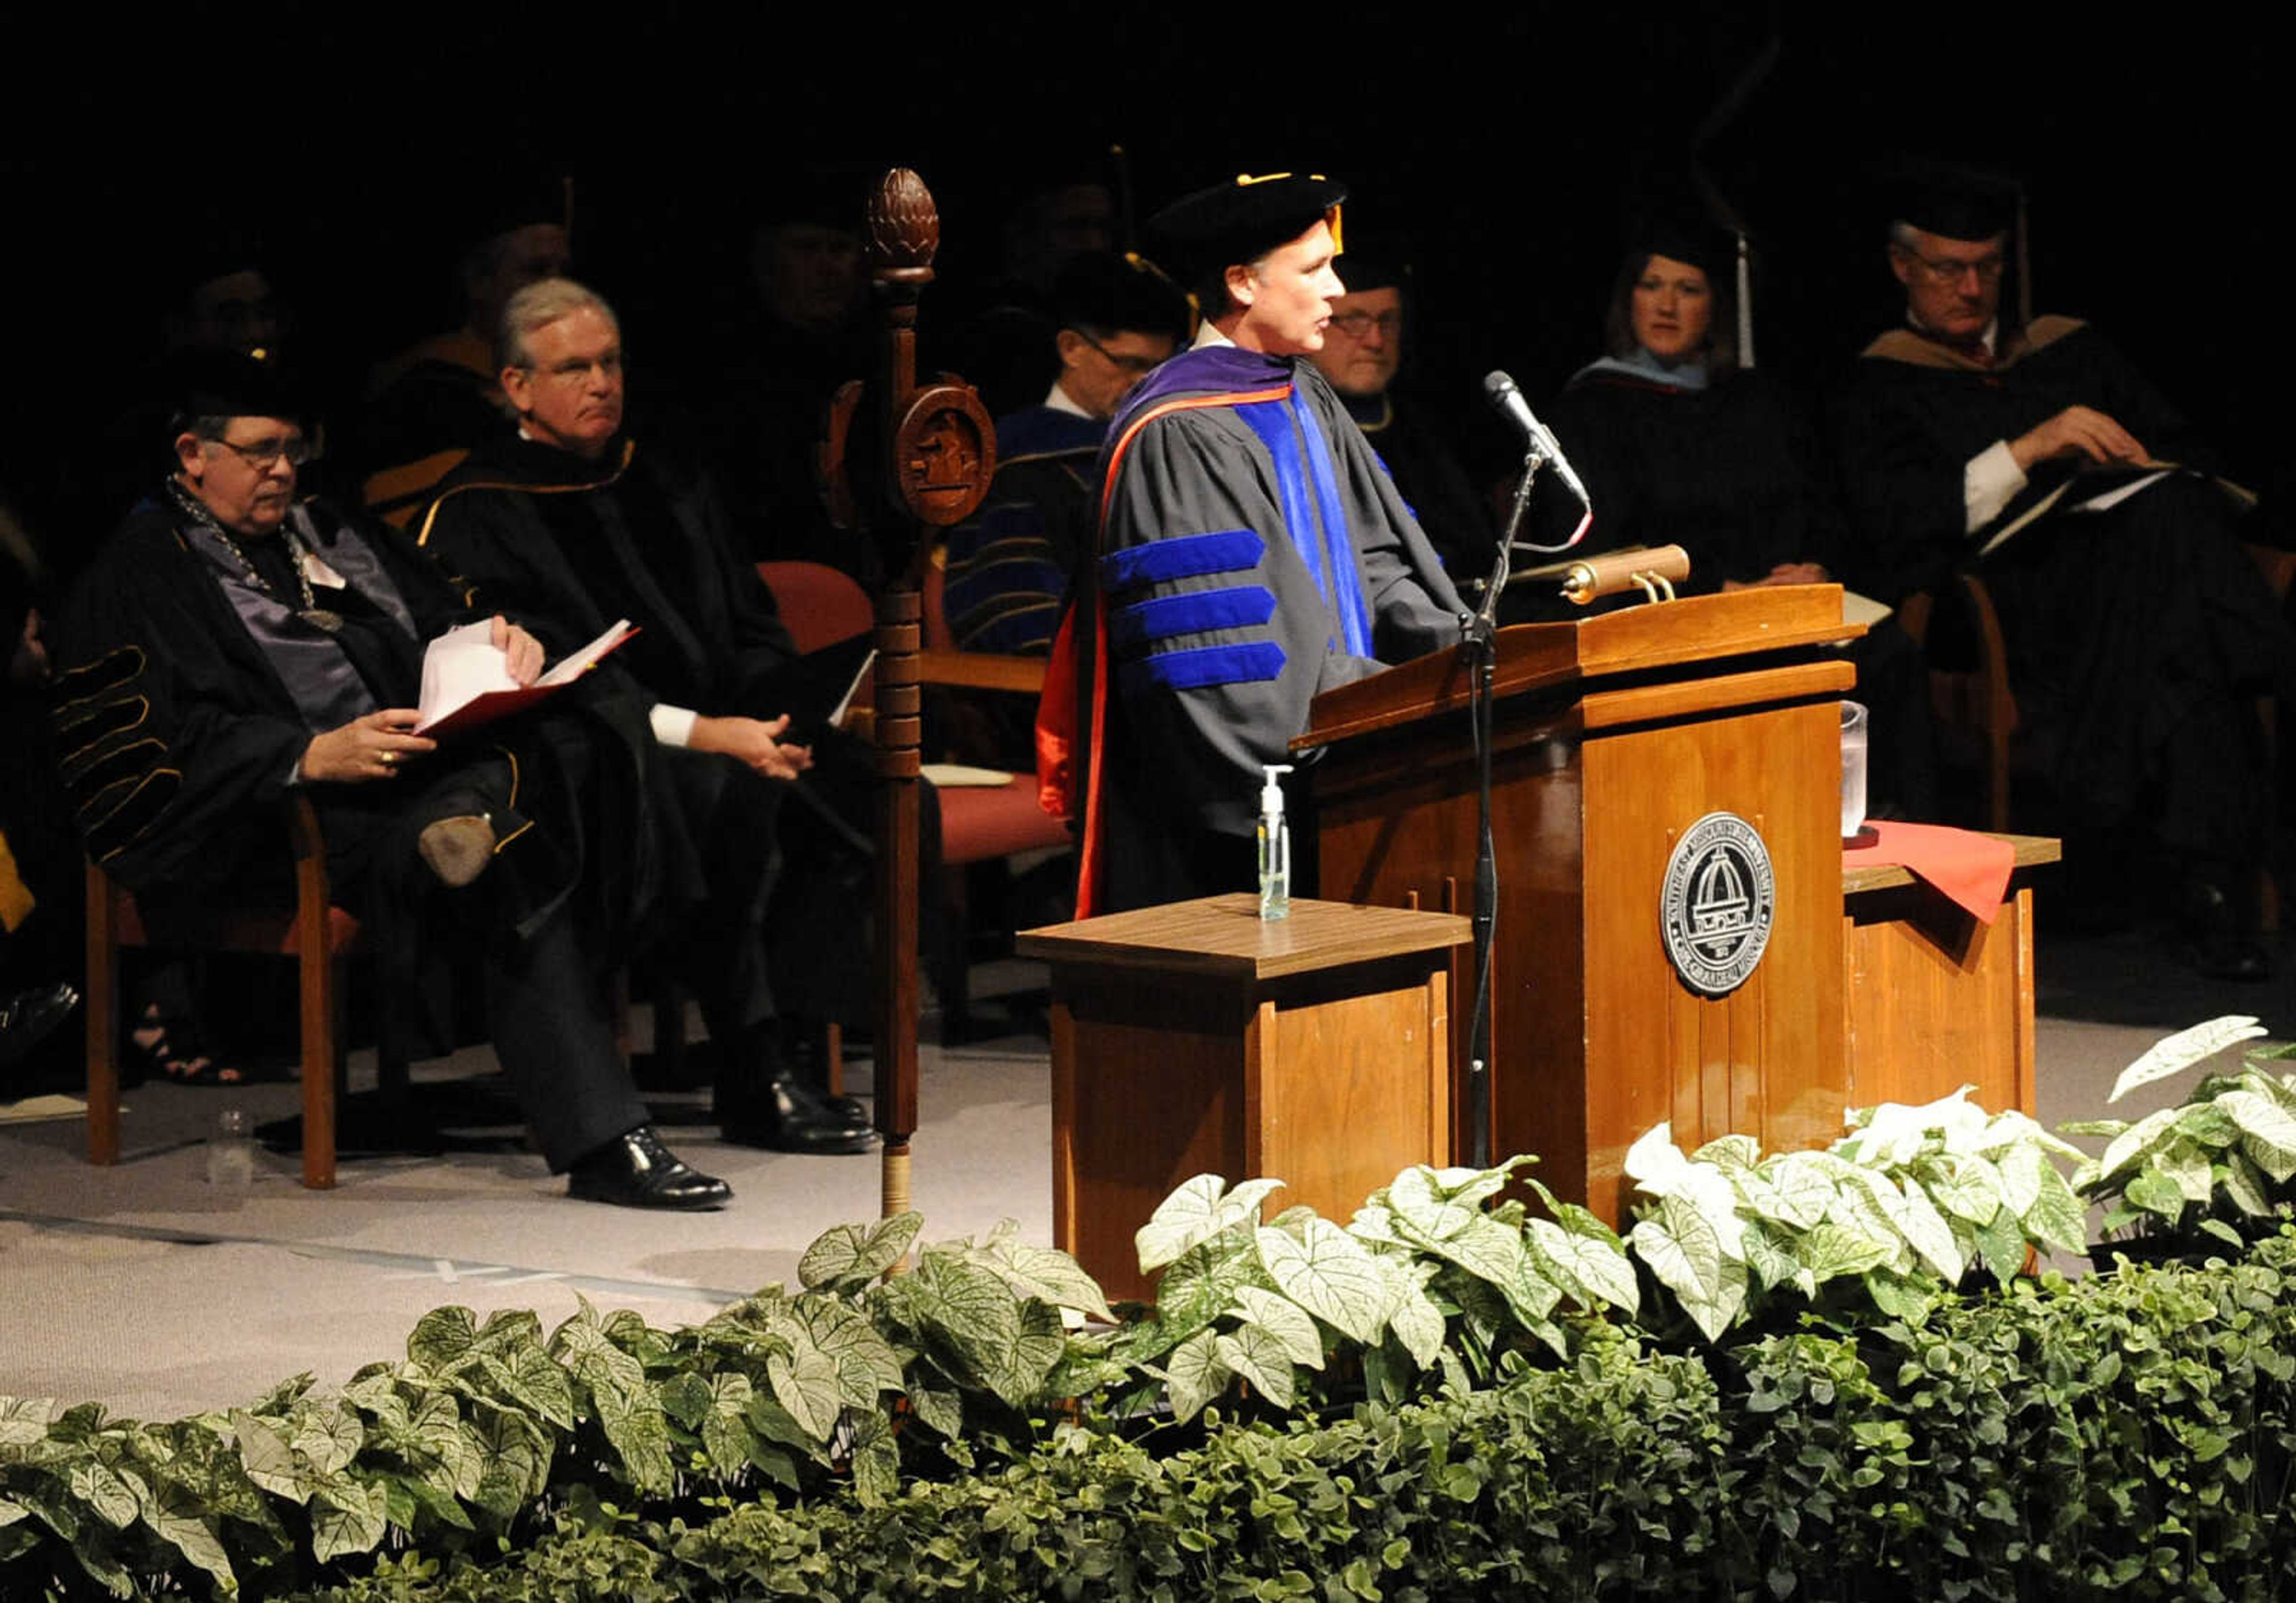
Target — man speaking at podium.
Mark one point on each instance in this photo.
(1253, 552)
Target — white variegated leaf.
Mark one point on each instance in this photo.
(1200, 1209)
(1926, 1230)
(1258, 1357)
(1418, 1325)
(1654, 1163)
(1330, 1273)
(1968, 1187)
(1801, 1187)
(1418, 1212)
(2268, 1132)
(2185, 1167)
(1680, 1245)
(1284, 1320)
(1597, 1265)
(2171, 1054)
(1193, 1375)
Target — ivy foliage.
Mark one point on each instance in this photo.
(900, 1380)
(2127, 1436)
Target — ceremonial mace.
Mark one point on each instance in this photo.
(933, 449)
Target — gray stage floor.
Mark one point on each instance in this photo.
(138, 1287)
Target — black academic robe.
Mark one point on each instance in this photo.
(2137, 636)
(566, 546)
(184, 699)
(1728, 472)
(1428, 474)
(1254, 553)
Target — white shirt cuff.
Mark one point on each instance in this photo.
(672, 725)
(1989, 481)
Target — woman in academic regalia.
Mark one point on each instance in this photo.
(1679, 446)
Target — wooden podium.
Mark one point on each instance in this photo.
(1196, 1038)
(1614, 736)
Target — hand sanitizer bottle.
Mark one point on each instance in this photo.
(1275, 845)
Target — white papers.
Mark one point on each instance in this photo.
(464, 666)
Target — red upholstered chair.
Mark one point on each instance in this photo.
(979, 825)
(318, 935)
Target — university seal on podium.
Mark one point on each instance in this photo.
(1717, 903)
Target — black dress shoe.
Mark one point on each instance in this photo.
(30, 1017)
(638, 1171)
(794, 1118)
(2215, 937)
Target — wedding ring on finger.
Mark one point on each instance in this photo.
(390, 759)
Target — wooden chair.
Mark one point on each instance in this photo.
(318, 935)
(1979, 703)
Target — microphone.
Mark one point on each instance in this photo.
(1501, 392)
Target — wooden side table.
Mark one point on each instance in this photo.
(1196, 1039)
(1936, 1000)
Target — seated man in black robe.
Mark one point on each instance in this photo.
(2139, 631)
(567, 526)
(230, 645)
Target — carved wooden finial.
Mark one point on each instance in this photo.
(904, 223)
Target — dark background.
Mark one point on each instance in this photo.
(1503, 149)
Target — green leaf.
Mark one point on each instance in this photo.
(2125, 1149)
(805, 1384)
(271, 1463)
(2174, 1053)
(639, 1432)
(100, 1487)
(24, 1420)
(2003, 1246)
(876, 1461)
(1193, 1375)
(1037, 1346)
(583, 1346)
(1257, 1355)
(1927, 1232)
(849, 1256)
(1798, 1188)
(178, 1516)
(328, 1435)
(514, 1462)
(2185, 1167)
(865, 1362)
(1200, 1209)
(438, 1425)
(2245, 1184)
(441, 1338)
(1204, 1281)
(942, 1407)
(2155, 1193)
(1329, 1274)
(725, 1425)
(1286, 1320)
(1427, 1212)
(349, 1520)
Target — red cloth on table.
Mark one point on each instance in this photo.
(1970, 868)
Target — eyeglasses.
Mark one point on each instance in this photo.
(1988, 268)
(265, 454)
(1355, 325)
(1135, 365)
(572, 371)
